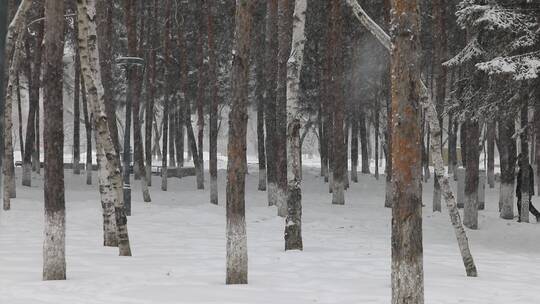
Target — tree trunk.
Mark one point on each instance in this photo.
(470, 213)
(376, 127)
(524, 164)
(76, 115)
(285, 15)
(19, 112)
(491, 154)
(260, 88)
(452, 145)
(507, 156)
(354, 144)
(407, 251)
(201, 90)
(33, 76)
(167, 97)
(364, 143)
(54, 247)
(15, 47)
(436, 141)
(88, 128)
(212, 75)
(293, 223)
(193, 145)
(271, 62)
(463, 143)
(110, 177)
(237, 259)
(151, 89)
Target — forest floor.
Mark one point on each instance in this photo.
(178, 244)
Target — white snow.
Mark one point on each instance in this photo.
(178, 243)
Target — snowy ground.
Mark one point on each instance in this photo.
(178, 242)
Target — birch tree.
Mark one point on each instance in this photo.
(293, 226)
(237, 259)
(110, 175)
(54, 247)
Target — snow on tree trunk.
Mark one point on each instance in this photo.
(112, 190)
(470, 213)
(54, 247)
(271, 53)
(436, 145)
(237, 255)
(293, 226)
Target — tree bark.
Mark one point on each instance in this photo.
(470, 213)
(260, 88)
(285, 15)
(507, 155)
(33, 76)
(407, 251)
(237, 259)
(14, 45)
(293, 223)
(76, 115)
(364, 143)
(271, 63)
(491, 154)
(524, 162)
(88, 128)
(54, 247)
(167, 97)
(151, 89)
(212, 75)
(110, 176)
(201, 90)
(354, 143)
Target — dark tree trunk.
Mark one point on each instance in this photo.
(524, 164)
(354, 144)
(237, 260)
(54, 263)
(376, 130)
(212, 77)
(470, 214)
(88, 128)
(19, 112)
(201, 90)
(77, 115)
(151, 91)
(260, 88)
(271, 62)
(336, 92)
(452, 145)
(407, 250)
(34, 82)
(167, 92)
(364, 143)
(193, 146)
(463, 144)
(507, 156)
(491, 154)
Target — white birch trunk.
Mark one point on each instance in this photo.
(90, 69)
(436, 149)
(293, 227)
